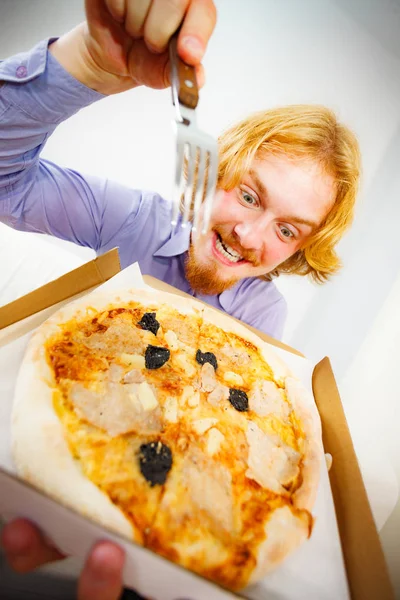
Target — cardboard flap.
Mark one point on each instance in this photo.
(89, 275)
(365, 563)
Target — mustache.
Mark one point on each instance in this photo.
(229, 239)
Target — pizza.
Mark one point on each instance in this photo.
(173, 425)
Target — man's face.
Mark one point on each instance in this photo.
(259, 224)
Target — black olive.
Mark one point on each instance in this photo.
(156, 356)
(238, 399)
(149, 322)
(206, 357)
(155, 461)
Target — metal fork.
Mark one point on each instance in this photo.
(196, 166)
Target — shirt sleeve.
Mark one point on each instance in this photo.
(36, 94)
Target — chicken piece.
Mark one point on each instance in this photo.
(268, 399)
(134, 376)
(208, 379)
(115, 407)
(237, 357)
(120, 337)
(271, 463)
(210, 488)
(218, 395)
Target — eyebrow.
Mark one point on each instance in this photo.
(258, 182)
(261, 188)
(300, 221)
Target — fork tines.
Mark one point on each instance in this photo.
(195, 179)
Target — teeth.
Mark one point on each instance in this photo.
(231, 251)
(227, 251)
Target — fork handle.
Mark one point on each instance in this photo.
(183, 77)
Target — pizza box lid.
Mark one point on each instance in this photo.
(366, 569)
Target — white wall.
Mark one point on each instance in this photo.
(371, 394)
(343, 53)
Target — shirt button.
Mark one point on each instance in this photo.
(21, 72)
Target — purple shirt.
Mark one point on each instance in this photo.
(36, 94)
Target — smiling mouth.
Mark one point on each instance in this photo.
(227, 251)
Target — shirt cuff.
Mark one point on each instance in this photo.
(36, 83)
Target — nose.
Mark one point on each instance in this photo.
(251, 234)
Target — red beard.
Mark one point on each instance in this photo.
(204, 278)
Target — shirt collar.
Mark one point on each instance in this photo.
(177, 244)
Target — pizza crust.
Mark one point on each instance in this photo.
(284, 532)
(37, 434)
(304, 406)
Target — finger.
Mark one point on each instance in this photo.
(135, 17)
(25, 547)
(200, 75)
(196, 30)
(102, 574)
(163, 20)
(117, 9)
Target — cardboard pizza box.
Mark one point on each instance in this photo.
(366, 569)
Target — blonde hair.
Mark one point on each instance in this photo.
(300, 132)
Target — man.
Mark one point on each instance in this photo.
(286, 190)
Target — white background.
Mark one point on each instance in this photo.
(343, 53)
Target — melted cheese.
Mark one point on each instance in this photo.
(184, 363)
(201, 425)
(172, 340)
(134, 361)
(171, 409)
(214, 441)
(190, 396)
(148, 336)
(102, 317)
(194, 400)
(147, 397)
(233, 378)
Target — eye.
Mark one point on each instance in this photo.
(286, 233)
(248, 199)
